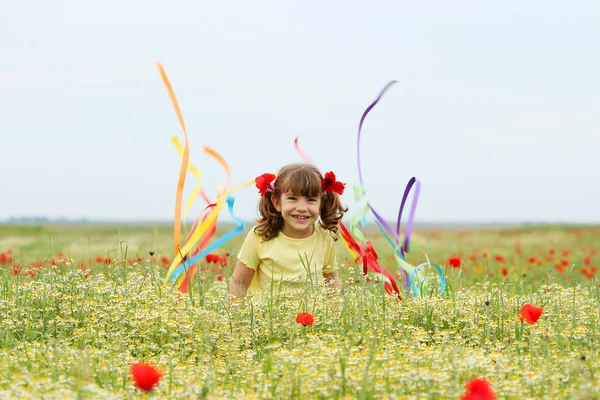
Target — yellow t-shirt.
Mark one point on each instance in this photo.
(293, 262)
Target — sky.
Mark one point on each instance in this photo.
(496, 109)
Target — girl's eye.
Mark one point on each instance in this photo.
(312, 200)
(291, 198)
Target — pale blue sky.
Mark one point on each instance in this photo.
(496, 110)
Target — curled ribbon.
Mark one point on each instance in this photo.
(201, 231)
(408, 270)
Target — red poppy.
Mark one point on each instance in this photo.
(264, 183)
(454, 262)
(9, 251)
(214, 258)
(479, 389)
(504, 271)
(145, 376)
(565, 262)
(530, 313)
(220, 277)
(31, 273)
(551, 251)
(587, 273)
(305, 319)
(500, 258)
(560, 268)
(566, 252)
(164, 260)
(331, 185)
(532, 260)
(588, 260)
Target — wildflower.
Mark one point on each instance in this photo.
(164, 260)
(530, 313)
(220, 277)
(532, 260)
(551, 251)
(565, 262)
(145, 376)
(454, 262)
(504, 271)
(479, 389)
(585, 272)
(305, 319)
(500, 258)
(588, 260)
(560, 268)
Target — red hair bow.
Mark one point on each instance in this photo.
(331, 185)
(264, 183)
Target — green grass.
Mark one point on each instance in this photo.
(69, 334)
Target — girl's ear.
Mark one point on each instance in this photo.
(276, 203)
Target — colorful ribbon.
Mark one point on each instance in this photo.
(184, 161)
(204, 230)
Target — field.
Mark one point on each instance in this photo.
(80, 303)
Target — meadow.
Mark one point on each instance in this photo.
(80, 303)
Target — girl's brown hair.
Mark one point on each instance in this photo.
(301, 180)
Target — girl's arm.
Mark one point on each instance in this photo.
(333, 279)
(240, 280)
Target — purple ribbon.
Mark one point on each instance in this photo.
(411, 182)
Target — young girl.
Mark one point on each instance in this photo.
(289, 246)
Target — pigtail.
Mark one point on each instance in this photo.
(270, 222)
(332, 212)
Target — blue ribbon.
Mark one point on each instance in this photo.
(182, 268)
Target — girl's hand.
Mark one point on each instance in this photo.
(333, 280)
(240, 280)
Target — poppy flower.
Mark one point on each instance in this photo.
(331, 185)
(565, 262)
(560, 268)
(479, 389)
(500, 258)
(305, 319)
(504, 271)
(454, 262)
(264, 183)
(145, 376)
(220, 277)
(588, 260)
(530, 313)
(584, 271)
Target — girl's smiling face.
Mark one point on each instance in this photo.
(299, 214)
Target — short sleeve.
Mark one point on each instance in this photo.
(330, 264)
(248, 254)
